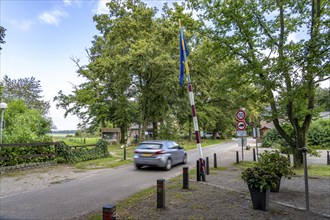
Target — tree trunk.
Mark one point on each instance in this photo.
(155, 130)
(144, 129)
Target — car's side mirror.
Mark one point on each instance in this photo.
(180, 147)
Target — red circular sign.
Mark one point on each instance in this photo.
(240, 125)
(240, 115)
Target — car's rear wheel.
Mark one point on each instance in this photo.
(138, 166)
(168, 164)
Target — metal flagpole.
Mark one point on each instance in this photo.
(193, 107)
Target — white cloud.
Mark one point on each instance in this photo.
(292, 37)
(52, 17)
(101, 7)
(23, 25)
(72, 2)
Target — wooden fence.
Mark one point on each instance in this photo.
(31, 156)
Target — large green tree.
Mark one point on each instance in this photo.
(260, 34)
(27, 89)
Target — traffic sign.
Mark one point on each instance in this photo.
(240, 115)
(240, 125)
(241, 133)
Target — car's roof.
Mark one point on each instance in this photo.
(156, 141)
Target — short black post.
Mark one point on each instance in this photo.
(254, 154)
(198, 171)
(109, 212)
(328, 158)
(215, 161)
(237, 157)
(207, 166)
(289, 159)
(203, 171)
(125, 153)
(185, 175)
(161, 193)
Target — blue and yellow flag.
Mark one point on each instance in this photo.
(184, 52)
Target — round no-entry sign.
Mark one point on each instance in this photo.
(241, 125)
(240, 115)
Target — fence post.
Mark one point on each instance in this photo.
(328, 158)
(215, 161)
(125, 153)
(237, 157)
(160, 193)
(289, 159)
(109, 212)
(185, 178)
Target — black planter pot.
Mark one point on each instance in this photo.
(278, 184)
(260, 200)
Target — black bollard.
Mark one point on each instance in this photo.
(207, 166)
(328, 158)
(124, 153)
(254, 154)
(161, 193)
(109, 212)
(198, 171)
(289, 159)
(185, 178)
(202, 172)
(237, 157)
(215, 161)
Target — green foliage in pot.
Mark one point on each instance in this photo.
(276, 163)
(259, 177)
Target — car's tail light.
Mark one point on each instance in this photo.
(160, 152)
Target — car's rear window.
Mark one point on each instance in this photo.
(150, 146)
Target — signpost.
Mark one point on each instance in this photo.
(240, 127)
(256, 135)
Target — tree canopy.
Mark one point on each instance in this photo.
(261, 35)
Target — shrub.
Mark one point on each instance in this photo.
(319, 134)
(276, 163)
(259, 177)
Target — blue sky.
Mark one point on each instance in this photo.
(41, 37)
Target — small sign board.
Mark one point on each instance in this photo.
(241, 125)
(256, 132)
(240, 115)
(241, 133)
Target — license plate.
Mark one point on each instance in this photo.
(146, 155)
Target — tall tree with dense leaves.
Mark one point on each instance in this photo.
(2, 36)
(27, 89)
(261, 35)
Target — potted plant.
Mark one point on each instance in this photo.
(259, 181)
(276, 163)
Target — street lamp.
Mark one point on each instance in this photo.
(3, 106)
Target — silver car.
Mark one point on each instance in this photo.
(156, 153)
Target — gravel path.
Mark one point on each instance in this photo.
(225, 196)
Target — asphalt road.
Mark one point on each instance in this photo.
(82, 196)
